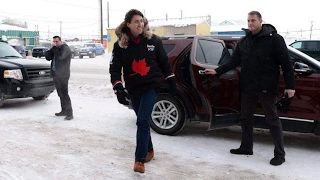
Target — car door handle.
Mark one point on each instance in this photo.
(201, 72)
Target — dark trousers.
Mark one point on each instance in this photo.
(142, 105)
(248, 105)
(61, 84)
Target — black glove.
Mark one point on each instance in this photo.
(122, 95)
(172, 85)
(284, 103)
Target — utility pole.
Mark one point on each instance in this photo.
(311, 29)
(60, 29)
(108, 13)
(181, 14)
(101, 23)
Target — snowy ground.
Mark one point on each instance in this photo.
(100, 142)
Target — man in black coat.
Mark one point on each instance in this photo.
(60, 56)
(260, 54)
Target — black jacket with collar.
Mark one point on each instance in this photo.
(143, 64)
(62, 56)
(260, 57)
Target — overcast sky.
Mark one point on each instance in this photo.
(81, 17)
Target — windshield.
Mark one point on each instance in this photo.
(6, 51)
(29, 47)
(45, 45)
(88, 45)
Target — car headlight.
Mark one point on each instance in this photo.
(14, 73)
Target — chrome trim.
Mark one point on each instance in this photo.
(287, 118)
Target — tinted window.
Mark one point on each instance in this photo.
(209, 52)
(168, 47)
(312, 45)
(297, 45)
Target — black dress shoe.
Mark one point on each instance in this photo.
(240, 151)
(62, 113)
(69, 117)
(276, 161)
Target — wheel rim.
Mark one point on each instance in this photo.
(165, 114)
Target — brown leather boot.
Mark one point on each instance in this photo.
(138, 167)
(149, 156)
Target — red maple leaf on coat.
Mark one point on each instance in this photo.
(140, 67)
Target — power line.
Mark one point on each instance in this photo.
(37, 17)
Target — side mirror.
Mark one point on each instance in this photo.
(302, 69)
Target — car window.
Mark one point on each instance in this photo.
(209, 52)
(297, 45)
(312, 45)
(168, 47)
(29, 47)
(6, 51)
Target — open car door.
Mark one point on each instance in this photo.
(220, 96)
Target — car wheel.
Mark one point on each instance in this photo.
(80, 56)
(72, 56)
(93, 55)
(1, 100)
(41, 97)
(168, 115)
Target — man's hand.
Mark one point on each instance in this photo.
(210, 71)
(122, 95)
(173, 85)
(290, 92)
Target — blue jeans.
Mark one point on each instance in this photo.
(142, 105)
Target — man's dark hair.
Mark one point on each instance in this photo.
(131, 13)
(255, 13)
(57, 37)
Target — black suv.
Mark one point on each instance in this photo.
(39, 51)
(207, 98)
(309, 47)
(20, 78)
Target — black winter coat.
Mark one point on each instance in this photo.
(62, 56)
(144, 64)
(260, 58)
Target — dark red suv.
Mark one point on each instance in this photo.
(206, 98)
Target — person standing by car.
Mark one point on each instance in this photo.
(260, 53)
(142, 57)
(60, 56)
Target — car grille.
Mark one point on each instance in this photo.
(38, 73)
(37, 50)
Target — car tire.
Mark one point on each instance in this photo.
(166, 123)
(1, 100)
(80, 56)
(41, 97)
(72, 56)
(93, 55)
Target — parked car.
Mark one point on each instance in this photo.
(91, 50)
(75, 49)
(309, 47)
(207, 98)
(28, 49)
(39, 51)
(20, 49)
(20, 78)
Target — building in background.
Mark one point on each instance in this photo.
(171, 27)
(19, 35)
